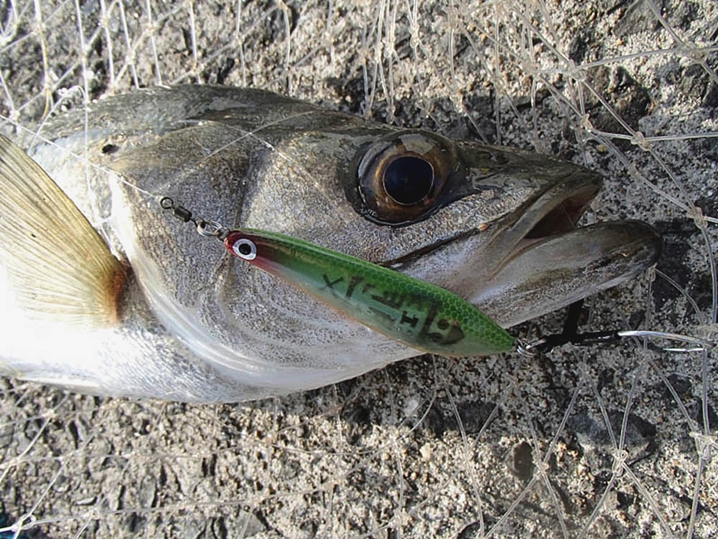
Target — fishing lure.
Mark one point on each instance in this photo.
(418, 314)
(422, 316)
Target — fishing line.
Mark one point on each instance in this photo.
(35, 134)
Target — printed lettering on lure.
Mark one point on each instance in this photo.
(405, 311)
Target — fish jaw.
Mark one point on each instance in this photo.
(562, 269)
(535, 261)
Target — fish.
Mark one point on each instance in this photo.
(103, 292)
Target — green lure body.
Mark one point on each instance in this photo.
(418, 314)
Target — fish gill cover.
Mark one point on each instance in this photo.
(589, 442)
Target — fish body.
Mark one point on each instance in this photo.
(192, 323)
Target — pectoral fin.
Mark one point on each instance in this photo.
(58, 267)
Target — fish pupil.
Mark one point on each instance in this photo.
(408, 180)
(244, 249)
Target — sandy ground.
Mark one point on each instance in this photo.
(606, 441)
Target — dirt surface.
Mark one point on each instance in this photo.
(602, 441)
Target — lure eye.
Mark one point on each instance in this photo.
(401, 177)
(245, 248)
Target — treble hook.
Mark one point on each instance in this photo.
(570, 334)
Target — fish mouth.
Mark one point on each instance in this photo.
(554, 263)
(537, 260)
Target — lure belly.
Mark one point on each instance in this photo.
(418, 314)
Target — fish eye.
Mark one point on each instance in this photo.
(245, 248)
(401, 176)
(408, 180)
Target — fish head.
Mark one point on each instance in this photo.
(496, 226)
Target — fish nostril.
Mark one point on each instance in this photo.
(110, 149)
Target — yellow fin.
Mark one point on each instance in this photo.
(58, 267)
